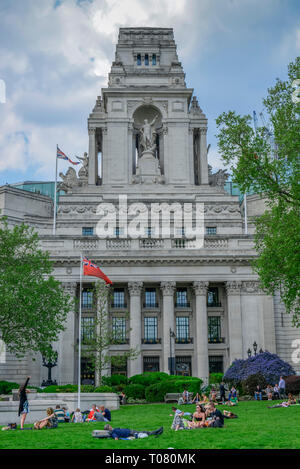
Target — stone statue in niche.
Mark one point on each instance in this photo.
(148, 135)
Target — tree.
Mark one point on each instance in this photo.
(101, 336)
(33, 305)
(268, 163)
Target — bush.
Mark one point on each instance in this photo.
(292, 384)
(157, 392)
(104, 389)
(135, 391)
(215, 378)
(65, 388)
(149, 378)
(130, 400)
(249, 384)
(265, 363)
(6, 387)
(114, 380)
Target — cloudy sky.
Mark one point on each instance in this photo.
(55, 56)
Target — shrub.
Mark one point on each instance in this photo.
(250, 383)
(104, 389)
(157, 392)
(114, 380)
(6, 387)
(135, 391)
(65, 388)
(292, 384)
(265, 363)
(215, 378)
(130, 400)
(149, 378)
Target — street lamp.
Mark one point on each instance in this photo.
(171, 358)
(49, 363)
(249, 352)
(255, 347)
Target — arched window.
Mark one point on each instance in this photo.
(146, 59)
(153, 59)
(139, 59)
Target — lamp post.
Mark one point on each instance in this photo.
(249, 352)
(255, 348)
(50, 363)
(171, 358)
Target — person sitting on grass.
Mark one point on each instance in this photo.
(77, 416)
(213, 395)
(232, 393)
(276, 392)
(124, 433)
(67, 414)
(204, 399)
(50, 421)
(59, 414)
(269, 392)
(197, 398)
(104, 415)
(178, 411)
(178, 422)
(198, 417)
(215, 416)
(291, 399)
(91, 417)
(258, 393)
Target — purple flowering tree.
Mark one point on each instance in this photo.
(267, 364)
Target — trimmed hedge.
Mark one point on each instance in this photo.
(148, 378)
(6, 387)
(103, 389)
(215, 378)
(157, 392)
(135, 391)
(114, 380)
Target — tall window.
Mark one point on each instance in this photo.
(119, 298)
(87, 371)
(87, 329)
(181, 297)
(213, 296)
(150, 298)
(182, 328)
(87, 299)
(119, 329)
(138, 59)
(150, 329)
(183, 366)
(146, 59)
(153, 59)
(151, 364)
(211, 230)
(215, 364)
(214, 329)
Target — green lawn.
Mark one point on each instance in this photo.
(256, 427)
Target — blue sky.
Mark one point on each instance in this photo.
(55, 56)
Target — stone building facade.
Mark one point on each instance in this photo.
(147, 142)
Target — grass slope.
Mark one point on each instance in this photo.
(257, 427)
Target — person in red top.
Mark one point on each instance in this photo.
(91, 417)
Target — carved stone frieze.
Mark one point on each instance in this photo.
(233, 287)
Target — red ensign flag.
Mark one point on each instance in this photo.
(89, 268)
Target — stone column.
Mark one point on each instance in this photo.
(201, 331)
(135, 288)
(236, 349)
(93, 157)
(252, 315)
(203, 157)
(168, 289)
(66, 347)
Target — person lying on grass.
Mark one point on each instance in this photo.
(121, 433)
(50, 421)
(291, 401)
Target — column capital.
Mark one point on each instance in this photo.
(200, 287)
(168, 288)
(233, 287)
(251, 287)
(135, 288)
(91, 130)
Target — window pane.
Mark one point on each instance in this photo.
(211, 230)
(146, 59)
(150, 297)
(150, 328)
(182, 327)
(213, 296)
(138, 59)
(153, 59)
(87, 231)
(87, 329)
(151, 364)
(119, 329)
(214, 328)
(181, 297)
(87, 299)
(119, 298)
(216, 364)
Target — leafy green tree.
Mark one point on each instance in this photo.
(99, 339)
(33, 305)
(271, 167)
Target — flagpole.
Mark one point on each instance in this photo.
(79, 333)
(55, 194)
